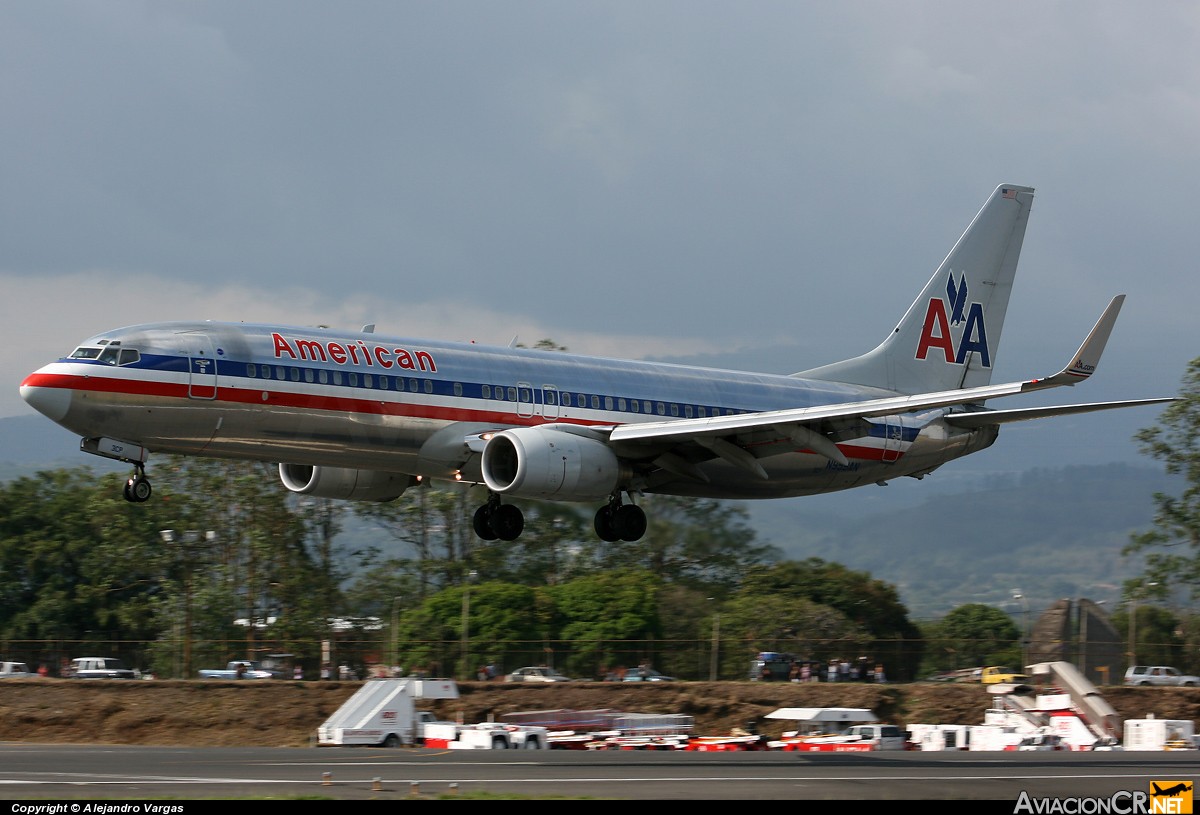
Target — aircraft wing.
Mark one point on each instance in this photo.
(983, 418)
(794, 422)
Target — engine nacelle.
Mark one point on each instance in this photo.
(541, 462)
(339, 482)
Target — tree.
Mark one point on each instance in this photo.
(1172, 547)
(826, 610)
(973, 635)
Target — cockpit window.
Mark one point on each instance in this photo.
(112, 353)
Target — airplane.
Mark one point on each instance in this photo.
(361, 416)
(1171, 791)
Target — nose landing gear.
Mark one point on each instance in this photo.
(137, 488)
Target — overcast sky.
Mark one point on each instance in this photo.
(763, 185)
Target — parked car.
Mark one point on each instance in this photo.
(15, 670)
(238, 669)
(1159, 675)
(646, 674)
(536, 673)
(101, 668)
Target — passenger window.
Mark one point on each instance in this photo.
(280, 372)
(660, 408)
(251, 370)
(458, 389)
(635, 405)
(486, 391)
(687, 411)
(674, 409)
(295, 372)
(368, 381)
(352, 379)
(412, 386)
(512, 394)
(621, 404)
(323, 375)
(337, 377)
(608, 403)
(429, 386)
(308, 375)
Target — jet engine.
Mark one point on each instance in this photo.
(542, 462)
(339, 482)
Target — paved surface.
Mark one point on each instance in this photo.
(142, 774)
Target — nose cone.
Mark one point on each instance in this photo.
(53, 403)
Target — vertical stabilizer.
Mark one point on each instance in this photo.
(948, 338)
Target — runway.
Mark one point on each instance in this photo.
(81, 773)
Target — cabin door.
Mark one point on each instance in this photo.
(202, 365)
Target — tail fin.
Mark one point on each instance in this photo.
(948, 338)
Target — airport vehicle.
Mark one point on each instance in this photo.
(1159, 675)
(361, 416)
(486, 736)
(383, 713)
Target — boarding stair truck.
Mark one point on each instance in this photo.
(1083, 718)
(383, 713)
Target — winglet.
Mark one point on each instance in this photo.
(1086, 359)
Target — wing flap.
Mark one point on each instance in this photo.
(985, 418)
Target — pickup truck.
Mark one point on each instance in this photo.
(238, 669)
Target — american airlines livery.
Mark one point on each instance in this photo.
(357, 415)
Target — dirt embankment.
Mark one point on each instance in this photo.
(287, 714)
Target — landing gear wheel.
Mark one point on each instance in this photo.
(483, 523)
(507, 522)
(629, 522)
(605, 526)
(137, 488)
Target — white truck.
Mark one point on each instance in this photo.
(487, 736)
(1160, 734)
(383, 713)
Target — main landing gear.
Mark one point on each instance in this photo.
(620, 522)
(614, 522)
(137, 488)
(496, 520)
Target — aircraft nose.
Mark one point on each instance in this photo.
(52, 403)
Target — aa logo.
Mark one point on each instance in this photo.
(1171, 797)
